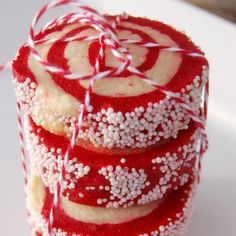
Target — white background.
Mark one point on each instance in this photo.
(215, 213)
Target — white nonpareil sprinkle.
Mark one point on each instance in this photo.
(140, 128)
(47, 163)
(126, 186)
(173, 227)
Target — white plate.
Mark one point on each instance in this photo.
(215, 213)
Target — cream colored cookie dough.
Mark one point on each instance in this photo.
(35, 194)
(88, 214)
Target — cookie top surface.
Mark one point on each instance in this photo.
(170, 69)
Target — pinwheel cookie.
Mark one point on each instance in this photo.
(125, 111)
(167, 218)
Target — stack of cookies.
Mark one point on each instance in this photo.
(133, 168)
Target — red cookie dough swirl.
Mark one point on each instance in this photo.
(123, 178)
(167, 218)
(125, 111)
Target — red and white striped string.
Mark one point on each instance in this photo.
(20, 133)
(107, 39)
(22, 145)
(23, 154)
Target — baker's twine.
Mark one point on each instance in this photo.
(107, 38)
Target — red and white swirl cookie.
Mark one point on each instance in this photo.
(125, 111)
(166, 218)
(123, 178)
